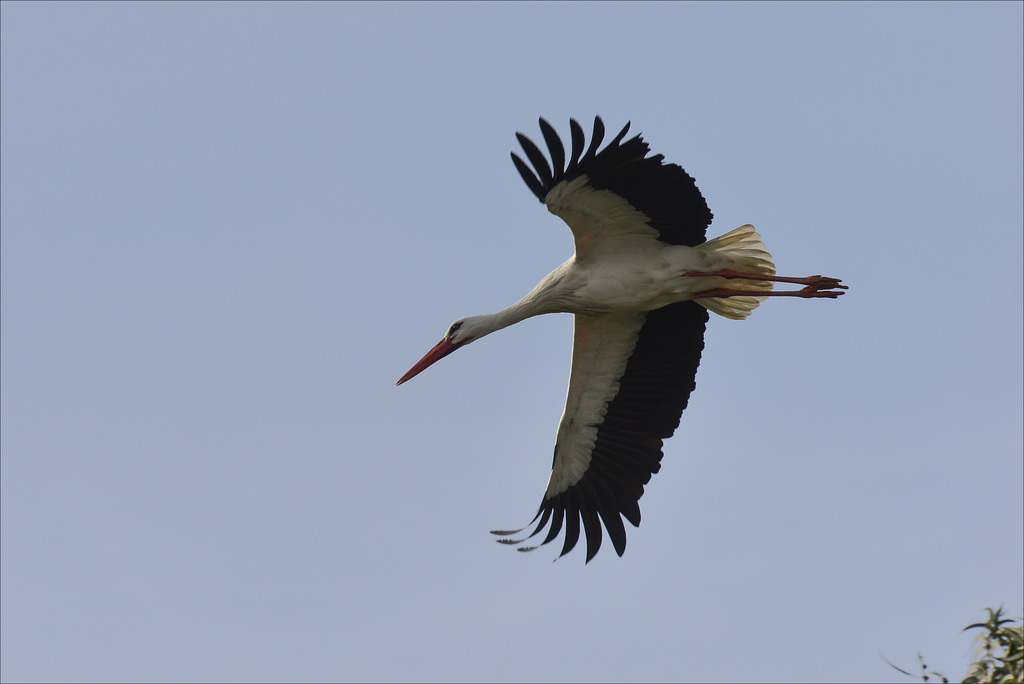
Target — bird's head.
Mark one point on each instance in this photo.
(460, 333)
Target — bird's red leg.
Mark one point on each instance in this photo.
(818, 281)
(815, 285)
(805, 292)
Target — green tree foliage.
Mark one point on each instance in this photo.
(999, 657)
(1000, 651)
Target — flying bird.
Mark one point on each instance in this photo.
(639, 287)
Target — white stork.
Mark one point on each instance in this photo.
(639, 286)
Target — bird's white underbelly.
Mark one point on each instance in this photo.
(644, 284)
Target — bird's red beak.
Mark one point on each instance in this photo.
(440, 350)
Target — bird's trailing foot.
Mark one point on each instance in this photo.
(814, 286)
(816, 283)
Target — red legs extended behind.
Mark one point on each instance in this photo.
(814, 286)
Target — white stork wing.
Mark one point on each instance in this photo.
(631, 378)
(606, 195)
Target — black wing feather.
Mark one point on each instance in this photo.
(537, 159)
(622, 134)
(591, 521)
(556, 522)
(554, 144)
(577, 144)
(531, 180)
(595, 139)
(572, 522)
(609, 506)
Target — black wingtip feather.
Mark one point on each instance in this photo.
(536, 158)
(556, 523)
(592, 526)
(595, 139)
(578, 141)
(631, 511)
(555, 148)
(572, 529)
(532, 182)
(622, 134)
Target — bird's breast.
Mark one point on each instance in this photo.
(624, 285)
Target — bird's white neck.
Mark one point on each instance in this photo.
(546, 297)
(476, 327)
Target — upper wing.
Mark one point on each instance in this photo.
(631, 378)
(617, 190)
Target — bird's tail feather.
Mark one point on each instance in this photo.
(743, 250)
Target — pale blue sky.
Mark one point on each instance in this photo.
(227, 229)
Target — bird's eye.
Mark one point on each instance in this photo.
(455, 326)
